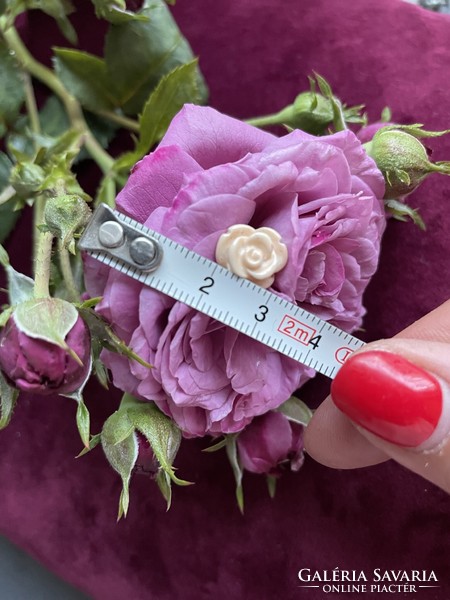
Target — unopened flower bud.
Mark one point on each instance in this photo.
(35, 365)
(26, 178)
(270, 441)
(403, 160)
(65, 215)
(310, 112)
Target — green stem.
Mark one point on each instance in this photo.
(282, 117)
(121, 120)
(72, 106)
(38, 219)
(108, 192)
(42, 265)
(66, 270)
(265, 121)
(32, 110)
(30, 101)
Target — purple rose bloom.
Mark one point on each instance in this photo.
(210, 172)
(269, 441)
(34, 365)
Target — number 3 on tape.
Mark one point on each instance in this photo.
(162, 264)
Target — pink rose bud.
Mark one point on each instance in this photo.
(38, 366)
(270, 441)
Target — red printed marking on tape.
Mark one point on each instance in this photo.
(296, 330)
(342, 354)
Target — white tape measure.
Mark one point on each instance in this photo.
(162, 264)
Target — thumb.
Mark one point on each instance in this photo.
(397, 393)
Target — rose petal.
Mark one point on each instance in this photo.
(212, 138)
(154, 181)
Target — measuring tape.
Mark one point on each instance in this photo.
(164, 265)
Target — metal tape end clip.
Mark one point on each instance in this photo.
(107, 233)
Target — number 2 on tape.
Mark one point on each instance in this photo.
(162, 264)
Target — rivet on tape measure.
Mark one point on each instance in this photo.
(164, 265)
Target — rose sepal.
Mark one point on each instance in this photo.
(238, 472)
(120, 434)
(296, 411)
(48, 319)
(8, 399)
(20, 286)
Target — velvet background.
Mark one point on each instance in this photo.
(256, 56)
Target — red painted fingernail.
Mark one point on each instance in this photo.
(389, 396)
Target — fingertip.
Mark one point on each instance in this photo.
(333, 441)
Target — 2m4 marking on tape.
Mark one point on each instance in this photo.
(162, 264)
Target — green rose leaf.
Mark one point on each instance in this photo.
(8, 218)
(122, 457)
(117, 428)
(8, 212)
(48, 319)
(8, 398)
(138, 54)
(161, 432)
(85, 76)
(11, 85)
(233, 457)
(20, 142)
(175, 89)
(54, 122)
(296, 411)
(53, 118)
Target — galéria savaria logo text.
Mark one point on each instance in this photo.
(339, 581)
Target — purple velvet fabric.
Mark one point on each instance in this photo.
(256, 56)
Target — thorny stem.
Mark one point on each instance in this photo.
(42, 265)
(72, 106)
(66, 270)
(39, 203)
(38, 219)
